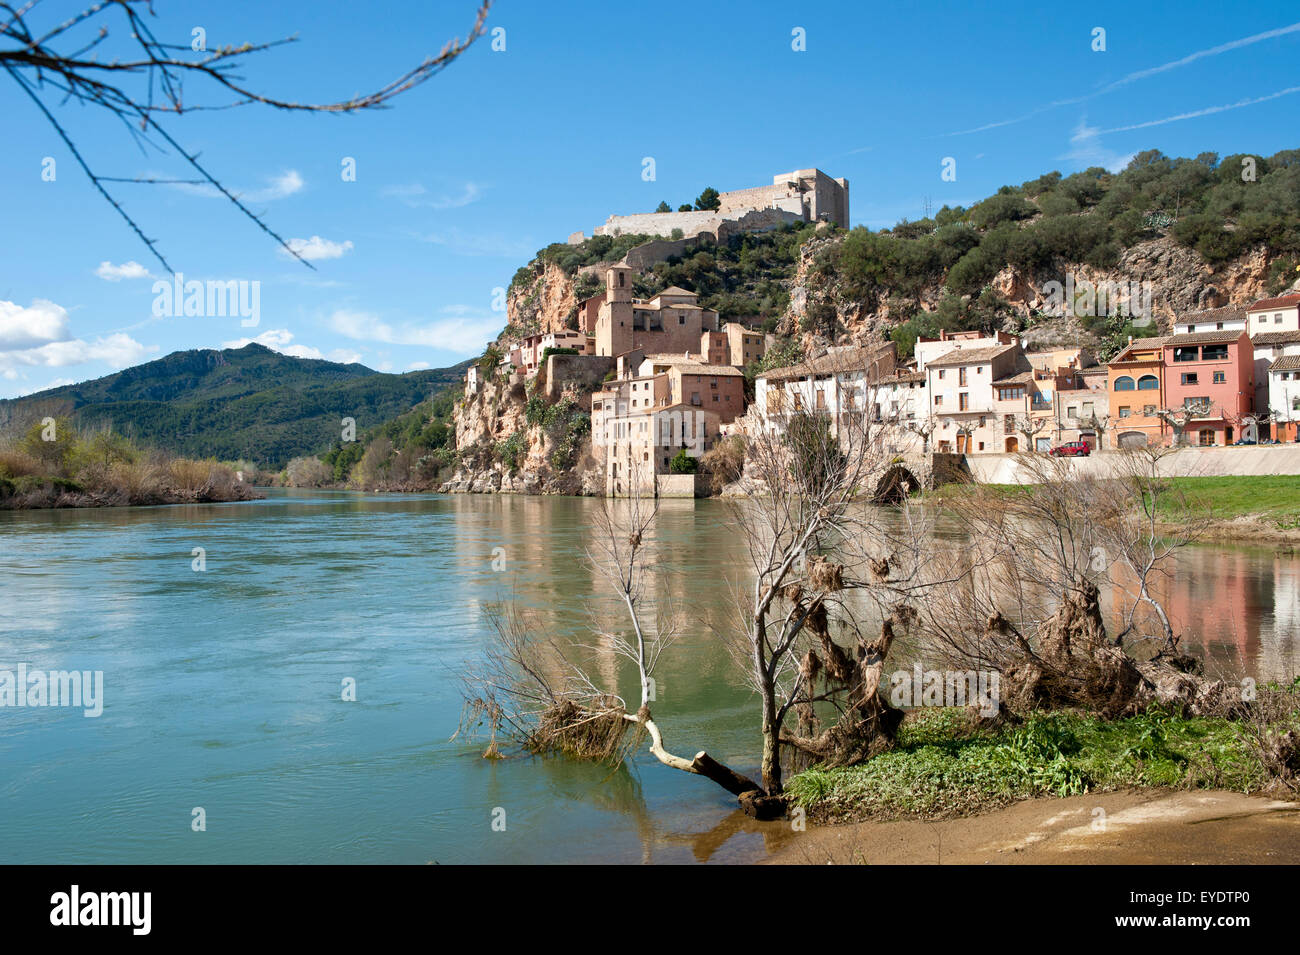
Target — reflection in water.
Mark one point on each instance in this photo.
(222, 688)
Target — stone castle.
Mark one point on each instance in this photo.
(806, 195)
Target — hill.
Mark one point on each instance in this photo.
(248, 403)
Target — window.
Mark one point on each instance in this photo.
(1214, 352)
(1189, 378)
(1011, 393)
(1192, 403)
(938, 400)
(961, 377)
(1125, 411)
(1191, 329)
(1189, 353)
(1124, 383)
(1148, 383)
(1277, 318)
(940, 372)
(1148, 410)
(1207, 439)
(963, 402)
(1072, 412)
(1220, 377)
(1219, 327)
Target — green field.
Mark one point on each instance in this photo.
(941, 767)
(1271, 498)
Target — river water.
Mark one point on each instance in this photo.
(223, 697)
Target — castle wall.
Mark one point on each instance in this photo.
(660, 223)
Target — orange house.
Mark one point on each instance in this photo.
(1136, 389)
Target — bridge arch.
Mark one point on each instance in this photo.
(895, 485)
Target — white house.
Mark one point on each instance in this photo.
(1284, 396)
(1230, 318)
(1280, 314)
(1269, 346)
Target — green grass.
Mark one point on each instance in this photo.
(941, 767)
(1271, 498)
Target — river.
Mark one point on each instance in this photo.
(223, 699)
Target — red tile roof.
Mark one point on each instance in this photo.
(1291, 298)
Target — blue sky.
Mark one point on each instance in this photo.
(466, 176)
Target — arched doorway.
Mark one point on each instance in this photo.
(1013, 445)
(1132, 439)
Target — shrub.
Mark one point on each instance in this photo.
(683, 463)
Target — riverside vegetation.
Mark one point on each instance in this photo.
(51, 463)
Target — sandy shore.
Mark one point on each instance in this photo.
(1125, 828)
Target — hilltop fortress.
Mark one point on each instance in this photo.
(805, 195)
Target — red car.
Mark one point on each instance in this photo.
(1072, 449)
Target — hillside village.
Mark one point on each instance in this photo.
(664, 378)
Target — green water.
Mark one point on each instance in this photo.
(223, 688)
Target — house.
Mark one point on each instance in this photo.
(1135, 392)
(1284, 397)
(641, 443)
(1230, 318)
(1280, 314)
(1269, 346)
(1214, 370)
(733, 345)
(927, 349)
(680, 379)
(972, 412)
(672, 321)
(835, 383)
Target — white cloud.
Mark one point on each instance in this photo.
(39, 323)
(1086, 150)
(118, 350)
(1206, 112)
(418, 366)
(279, 339)
(486, 244)
(1212, 51)
(278, 187)
(127, 270)
(318, 248)
(417, 196)
(462, 334)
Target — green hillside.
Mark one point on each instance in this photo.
(251, 403)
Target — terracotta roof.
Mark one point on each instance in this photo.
(1204, 338)
(676, 290)
(1225, 314)
(1139, 344)
(1276, 338)
(903, 376)
(841, 361)
(968, 356)
(1024, 377)
(695, 368)
(1291, 298)
(1286, 363)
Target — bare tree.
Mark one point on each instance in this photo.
(530, 687)
(1100, 424)
(1030, 606)
(819, 559)
(59, 60)
(1180, 419)
(1143, 535)
(1029, 428)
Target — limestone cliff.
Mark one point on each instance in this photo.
(1181, 282)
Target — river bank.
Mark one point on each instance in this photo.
(59, 493)
(1137, 827)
